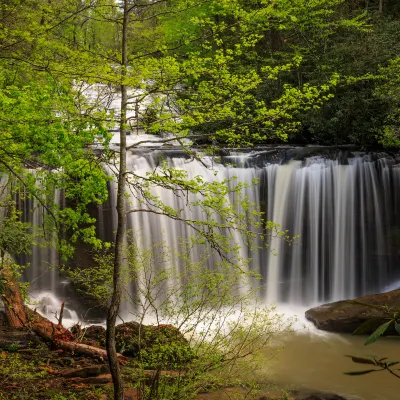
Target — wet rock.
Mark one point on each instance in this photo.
(130, 337)
(163, 345)
(347, 315)
(160, 346)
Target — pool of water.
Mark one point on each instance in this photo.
(313, 359)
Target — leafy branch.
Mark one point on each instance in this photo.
(380, 364)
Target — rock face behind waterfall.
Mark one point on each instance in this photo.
(347, 315)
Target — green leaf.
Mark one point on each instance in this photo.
(362, 372)
(367, 326)
(361, 360)
(397, 327)
(379, 332)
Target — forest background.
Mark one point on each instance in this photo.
(220, 73)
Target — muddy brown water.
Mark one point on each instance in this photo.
(317, 360)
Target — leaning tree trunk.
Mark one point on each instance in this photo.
(11, 295)
(21, 316)
(121, 227)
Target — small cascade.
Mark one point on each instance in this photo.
(42, 262)
(49, 305)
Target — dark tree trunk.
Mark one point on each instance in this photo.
(121, 227)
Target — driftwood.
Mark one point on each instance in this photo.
(21, 316)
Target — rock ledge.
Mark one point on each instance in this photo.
(347, 315)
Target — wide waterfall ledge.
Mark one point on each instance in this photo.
(343, 204)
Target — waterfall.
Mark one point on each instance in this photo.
(345, 207)
(343, 214)
(344, 210)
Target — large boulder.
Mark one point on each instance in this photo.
(347, 315)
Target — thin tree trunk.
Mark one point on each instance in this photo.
(380, 6)
(121, 227)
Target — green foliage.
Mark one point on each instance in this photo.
(13, 368)
(387, 91)
(236, 72)
(12, 348)
(40, 129)
(378, 332)
(15, 235)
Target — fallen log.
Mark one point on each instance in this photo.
(21, 316)
(62, 338)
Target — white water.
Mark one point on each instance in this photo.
(48, 305)
(344, 225)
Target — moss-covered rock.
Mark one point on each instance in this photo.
(97, 334)
(157, 346)
(154, 345)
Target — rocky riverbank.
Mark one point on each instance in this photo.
(31, 370)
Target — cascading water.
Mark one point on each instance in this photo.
(344, 217)
(345, 208)
(344, 211)
(46, 281)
